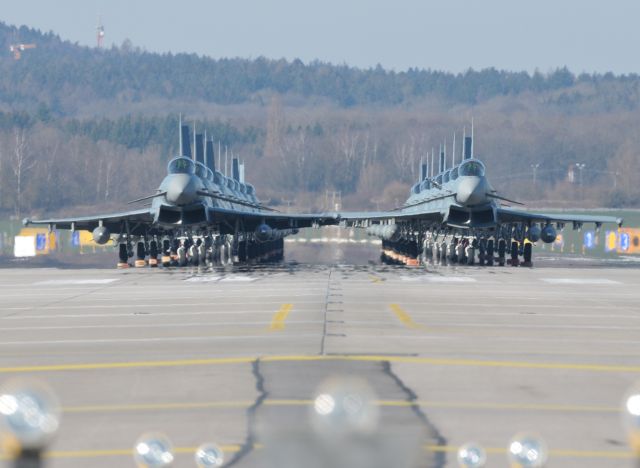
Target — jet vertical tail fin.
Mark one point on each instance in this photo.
(209, 156)
(199, 147)
(235, 169)
(185, 144)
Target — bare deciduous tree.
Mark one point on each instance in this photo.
(22, 162)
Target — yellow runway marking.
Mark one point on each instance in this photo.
(375, 279)
(157, 406)
(560, 453)
(301, 402)
(552, 453)
(356, 358)
(120, 452)
(405, 318)
(277, 323)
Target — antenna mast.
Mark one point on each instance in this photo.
(100, 33)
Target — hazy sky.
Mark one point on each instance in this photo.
(453, 35)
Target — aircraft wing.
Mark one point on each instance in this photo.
(406, 214)
(274, 219)
(509, 215)
(137, 220)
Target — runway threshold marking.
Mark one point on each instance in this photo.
(357, 358)
(240, 404)
(279, 318)
(405, 318)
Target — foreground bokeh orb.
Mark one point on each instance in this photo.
(631, 417)
(153, 450)
(209, 455)
(527, 450)
(471, 455)
(344, 405)
(29, 414)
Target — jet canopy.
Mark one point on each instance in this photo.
(471, 167)
(181, 165)
(201, 170)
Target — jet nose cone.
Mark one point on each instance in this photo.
(181, 190)
(472, 191)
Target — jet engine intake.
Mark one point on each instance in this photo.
(101, 235)
(548, 234)
(264, 233)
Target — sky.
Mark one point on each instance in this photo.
(449, 35)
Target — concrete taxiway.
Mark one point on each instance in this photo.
(236, 357)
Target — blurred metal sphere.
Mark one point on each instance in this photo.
(29, 413)
(208, 455)
(527, 450)
(471, 455)
(344, 405)
(153, 450)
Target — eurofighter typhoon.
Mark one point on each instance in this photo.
(455, 215)
(196, 215)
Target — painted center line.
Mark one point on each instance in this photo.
(404, 317)
(277, 323)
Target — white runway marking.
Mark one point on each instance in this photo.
(203, 279)
(75, 281)
(440, 279)
(270, 336)
(152, 314)
(237, 278)
(579, 281)
(160, 325)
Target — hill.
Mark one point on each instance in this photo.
(82, 126)
(67, 77)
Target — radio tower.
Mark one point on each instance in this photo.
(100, 33)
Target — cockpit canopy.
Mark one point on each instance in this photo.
(181, 165)
(201, 170)
(471, 167)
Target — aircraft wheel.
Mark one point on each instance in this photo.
(528, 253)
(514, 254)
(490, 252)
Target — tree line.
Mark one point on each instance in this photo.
(66, 76)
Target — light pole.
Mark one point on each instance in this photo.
(535, 167)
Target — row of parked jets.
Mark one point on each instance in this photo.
(199, 215)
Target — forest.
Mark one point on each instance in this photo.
(82, 128)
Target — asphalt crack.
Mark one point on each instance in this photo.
(440, 458)
(249, 444)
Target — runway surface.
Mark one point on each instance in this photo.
(236, 357)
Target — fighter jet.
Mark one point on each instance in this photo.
(195, 199)
(456, 213)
